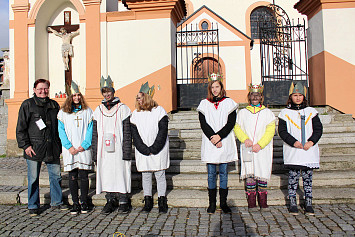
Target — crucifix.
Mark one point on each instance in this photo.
(67, 32)
(77, 119)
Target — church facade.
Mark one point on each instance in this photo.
(172, 44)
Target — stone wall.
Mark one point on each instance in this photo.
(3, 122)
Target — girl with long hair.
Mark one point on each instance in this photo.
(75, 131)
(300, 128)
(217, 115)
(149, 125)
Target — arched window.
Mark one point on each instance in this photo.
(203, 68)
(261, 16)
(204, 25)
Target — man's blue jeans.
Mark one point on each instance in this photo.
(33, 170)
(212, 175)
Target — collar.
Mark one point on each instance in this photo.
(75, 110)
(216, 101)
(40, 101)
(111, 103)
(293, 106)
(255, 109)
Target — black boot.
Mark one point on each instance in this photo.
(223, 193)
(148, 204)
(308, 209)
(109, 207)
(212, 193)
(293, 206)
(163, 204)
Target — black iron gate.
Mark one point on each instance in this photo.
(283, 55)
(197, 56)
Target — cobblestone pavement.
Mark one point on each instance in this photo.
(330, 220)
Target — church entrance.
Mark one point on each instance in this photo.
(283, 54)
(197, 53)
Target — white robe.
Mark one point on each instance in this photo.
(76, 135)
(113, 173)
(147, 125)
(296, 156)
(217, 119)
(261, 165)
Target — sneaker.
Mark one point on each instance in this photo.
(124, 208)
(109, 207)
(61, 207)
(84, 208)
(33, 212)
(75, 209)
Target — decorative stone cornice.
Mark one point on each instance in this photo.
(20, 7)
(312, 7)
(91, 2)
(177, 8)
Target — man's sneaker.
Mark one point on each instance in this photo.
(75, 209)
(61, 207)
(33, 212)
(84, 208)
(124, 208)
(109, 207)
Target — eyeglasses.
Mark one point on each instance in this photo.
(42, 89)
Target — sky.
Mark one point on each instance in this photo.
(4, 24)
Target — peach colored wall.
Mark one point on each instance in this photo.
(164, 81)
(339, 77)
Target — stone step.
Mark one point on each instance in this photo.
(195, 128)
(326, 139)
(192, 116)
(199, 198)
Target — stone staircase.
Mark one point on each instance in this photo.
(334, 182)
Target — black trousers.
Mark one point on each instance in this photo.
(74, 186)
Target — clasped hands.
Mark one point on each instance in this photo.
(74, 151)
(255, 148)
(216, 140)
(306, 146)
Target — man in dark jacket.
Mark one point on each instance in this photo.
(37, 135)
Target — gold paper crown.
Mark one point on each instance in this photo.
(147, 90)
(74, 88)
(256, 88)
(215, 77)
(298, 88)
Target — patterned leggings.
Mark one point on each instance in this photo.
(293, 178)
(252, 184)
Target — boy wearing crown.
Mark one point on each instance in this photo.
(255, 129)
(112, 146)
(75, 132)
(149, 124)
(217, 115)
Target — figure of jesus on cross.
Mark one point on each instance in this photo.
(67, 47)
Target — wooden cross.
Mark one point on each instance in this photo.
(77, 119)
(69, 28)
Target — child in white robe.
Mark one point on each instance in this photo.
(255, 129)
(217, 115)
(300, 128)
(75, 131)
(149, 125)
